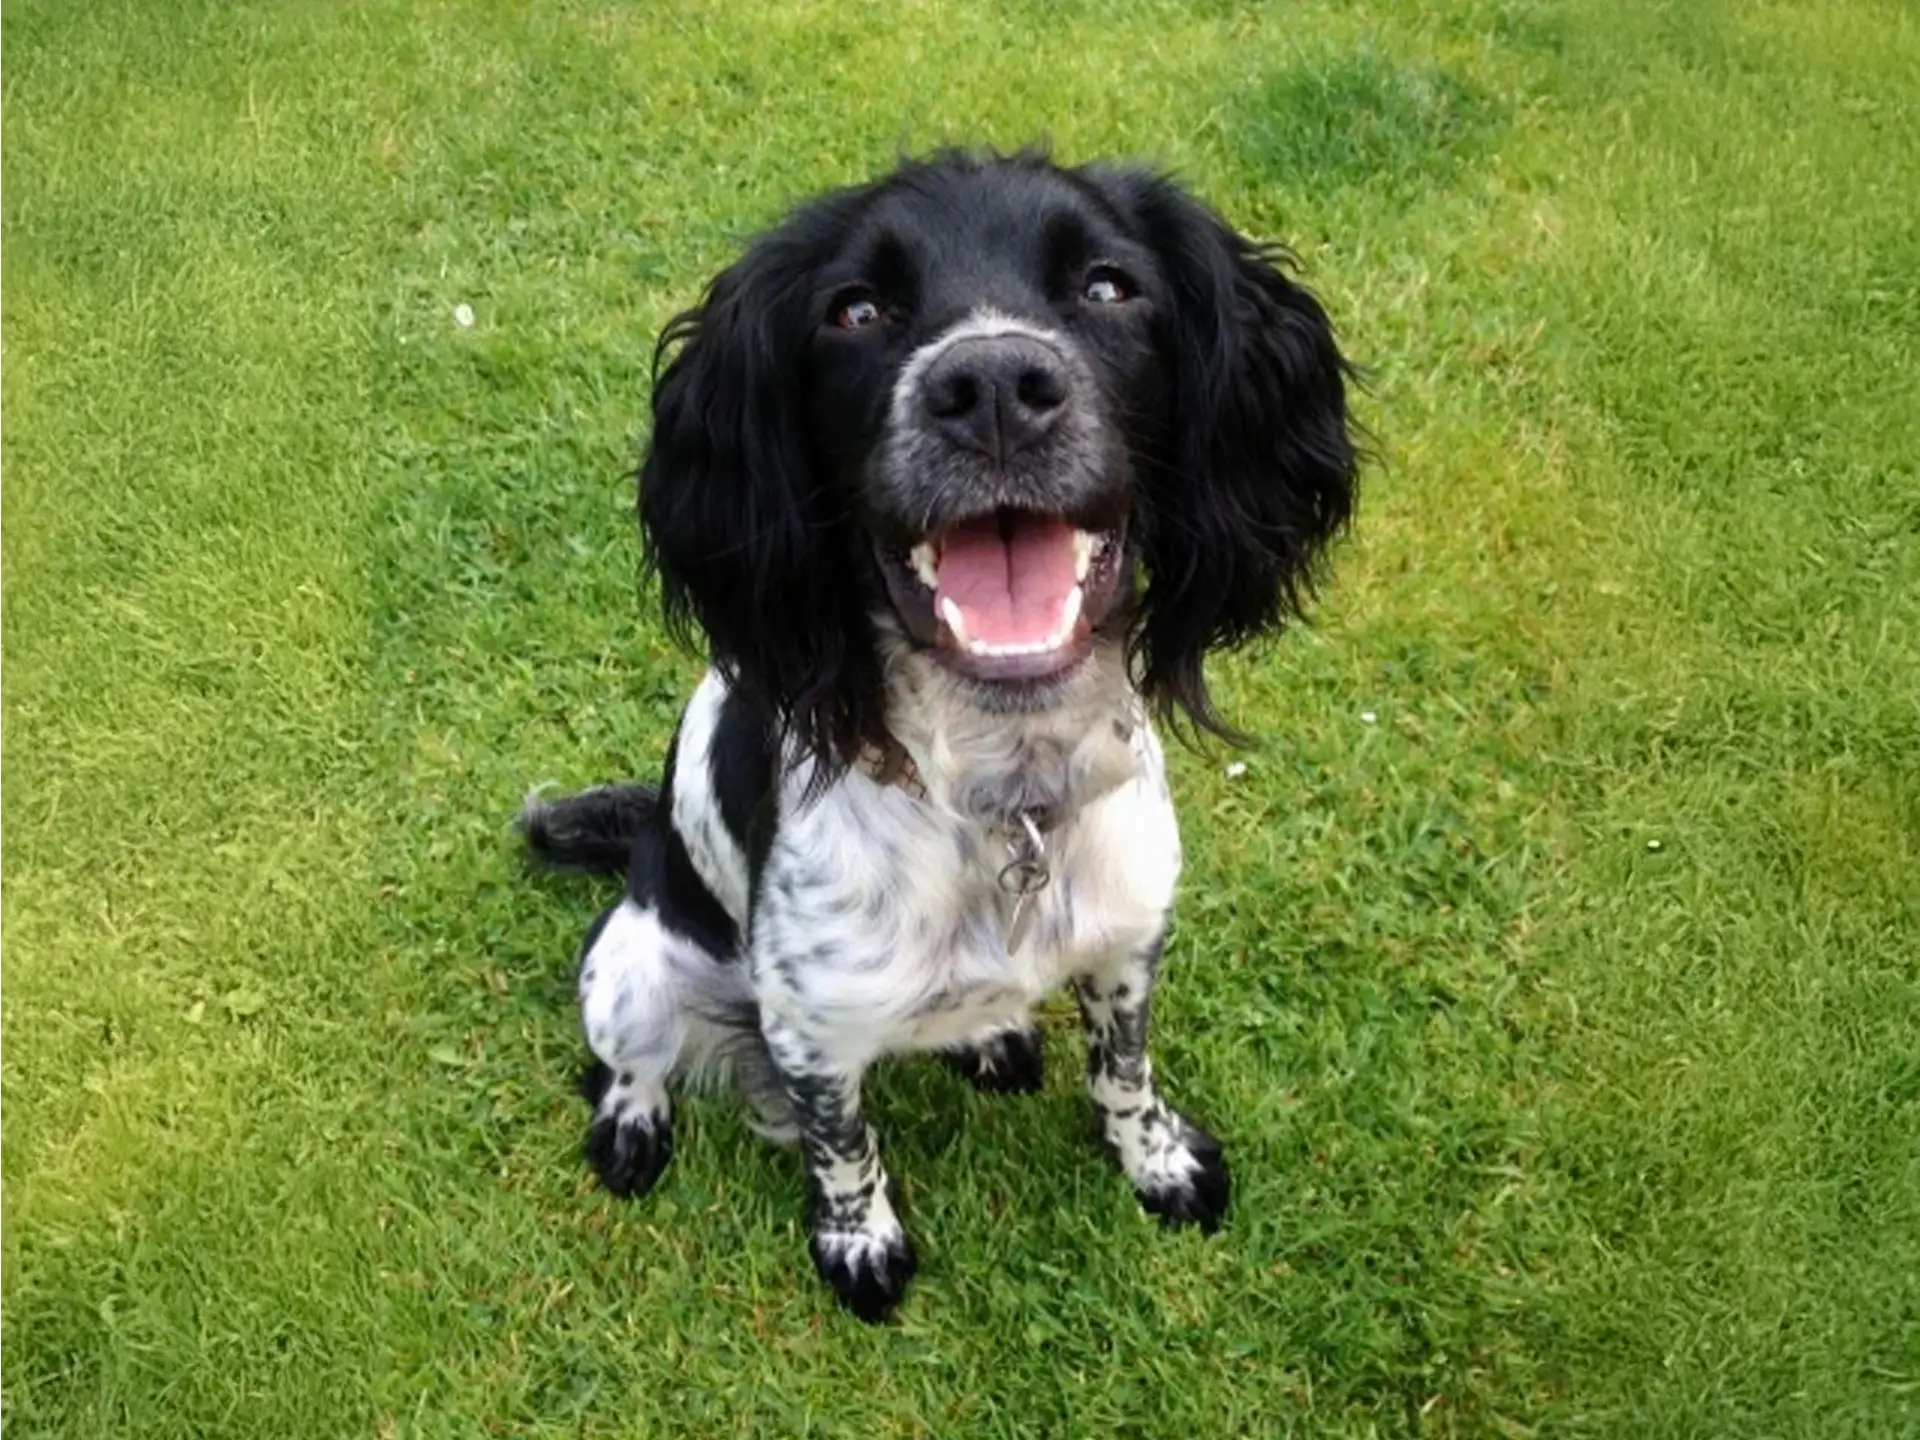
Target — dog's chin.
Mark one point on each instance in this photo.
(1012, 600)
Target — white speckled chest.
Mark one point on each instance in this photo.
(880, 924)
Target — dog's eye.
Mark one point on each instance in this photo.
(1107, 285)
(856, 312)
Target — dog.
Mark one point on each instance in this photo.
(960, 474)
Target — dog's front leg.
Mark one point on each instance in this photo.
(859, 1246)
(1176, 1168)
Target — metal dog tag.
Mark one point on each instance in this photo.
(1022, 878)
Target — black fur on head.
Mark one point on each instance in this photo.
(977, 341)
(749, 539)
(1263, 467)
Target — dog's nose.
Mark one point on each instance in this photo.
(997, 394)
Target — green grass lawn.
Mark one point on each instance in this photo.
(1553, 973)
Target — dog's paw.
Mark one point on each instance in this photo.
(630, 1139)
(1187, 1181)
(629, 1152)
(867, 1268)
(1009, 1063)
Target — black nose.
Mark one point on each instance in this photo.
(997, 394)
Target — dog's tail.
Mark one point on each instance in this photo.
(591, 832)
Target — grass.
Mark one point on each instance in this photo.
(1563, 1017)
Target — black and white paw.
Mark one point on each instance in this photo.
(630, 1139)
(867, 1267)
(1185, 1179)
(629, 1153)
(1008, 1063)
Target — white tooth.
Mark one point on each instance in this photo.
(1082, 553)
(926, 565)
(950, 612)
(1069, 617)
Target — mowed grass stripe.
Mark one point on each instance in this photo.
(193, 208)
(1742, 1003)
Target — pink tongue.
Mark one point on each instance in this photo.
(1010, 586)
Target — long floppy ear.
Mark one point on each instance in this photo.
(751, 543)
(1262, 466)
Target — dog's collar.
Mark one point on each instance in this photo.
(892, 764)
(1027, 870)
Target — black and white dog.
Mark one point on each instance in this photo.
(961, 474)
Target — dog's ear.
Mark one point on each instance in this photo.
(1262, 465)
(751, 544)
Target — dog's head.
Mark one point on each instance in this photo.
(958, 410)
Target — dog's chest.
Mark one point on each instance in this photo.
(884, 924)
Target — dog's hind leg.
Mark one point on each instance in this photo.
(636, 1026)
(1002, 1061)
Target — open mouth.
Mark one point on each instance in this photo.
(1009, 595)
